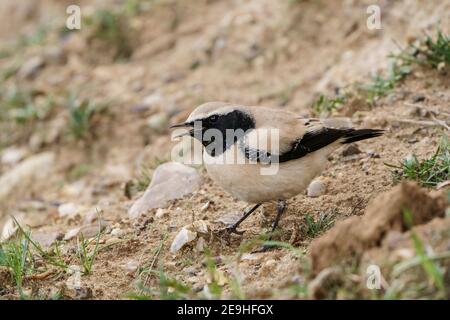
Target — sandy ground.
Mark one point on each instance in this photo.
(255, 53)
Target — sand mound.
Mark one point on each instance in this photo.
(385, 213)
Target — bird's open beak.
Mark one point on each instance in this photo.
(183, 125)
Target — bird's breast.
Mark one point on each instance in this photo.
(254, 183)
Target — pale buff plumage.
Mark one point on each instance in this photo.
(244, 181)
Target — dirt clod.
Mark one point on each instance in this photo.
(385, 213)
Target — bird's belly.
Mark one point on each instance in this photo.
(246, 181)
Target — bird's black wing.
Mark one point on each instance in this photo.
(310, 142)
(313, 141)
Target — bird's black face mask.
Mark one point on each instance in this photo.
(218, 132)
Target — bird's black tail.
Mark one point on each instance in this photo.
(362, 134)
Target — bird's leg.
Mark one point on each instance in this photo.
(233, 228)
(281, 208)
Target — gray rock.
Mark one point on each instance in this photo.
(418, 98)
(371, 153)
(171, 180)
(72, 233)
(12, 155)
(158, 122)
(160, 213)
(131, 266)
(351, 150)
(230, 218)
(46, 238)
(154, 100)
(316, 188)
(35, 167)
(8, 230)
(68, 210)
(117, 232)
(54, 55)
(88, 231)
(31, 67)
(183, 237)
(191, 270)
(139, 108)
(321, 284)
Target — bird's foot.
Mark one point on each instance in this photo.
(230, 230)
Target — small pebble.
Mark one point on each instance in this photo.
(117, 232)
(67, 210)
(12, 155)
(205, 207)
(418, 98)
(192, 271)
(111, 241)
(31, 67)
(351, 150)
(200, 246)
(160, 213)
(371, 153)
(158, 122)
(316, 188)
(131, 266)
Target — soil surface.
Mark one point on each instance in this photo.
(167, 58)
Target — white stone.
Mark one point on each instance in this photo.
(158, 122)
(229, 219)
(160, 213)
(205, 207)
(200, 246)
(45, 238)
(72, 233)
(131, 266)
(9, 229)
(73, 282)
(117, 232)
(200, 226)
(171, 180)
(153, 100)
(31, 67)
(12, 155)
(183, 237)
(316, 188)
(68, 210)
(35, 167)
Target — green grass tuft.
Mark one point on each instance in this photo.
(19, 105)
(15, 255)
(327, 105)
(111, 27)
(80, 116)
(381, 86)
(312, 228)
(434, 52)
(85, 254)
(431, 267)
(428, 172)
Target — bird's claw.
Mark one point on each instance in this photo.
(230, 230)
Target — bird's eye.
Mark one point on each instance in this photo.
(213, 118)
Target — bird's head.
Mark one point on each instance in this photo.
(212, 118)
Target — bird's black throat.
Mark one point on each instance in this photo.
(220, 132)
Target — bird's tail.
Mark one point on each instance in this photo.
(361, 134)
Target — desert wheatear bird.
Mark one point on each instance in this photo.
(255, 138)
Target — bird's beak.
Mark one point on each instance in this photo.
(183, 125)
